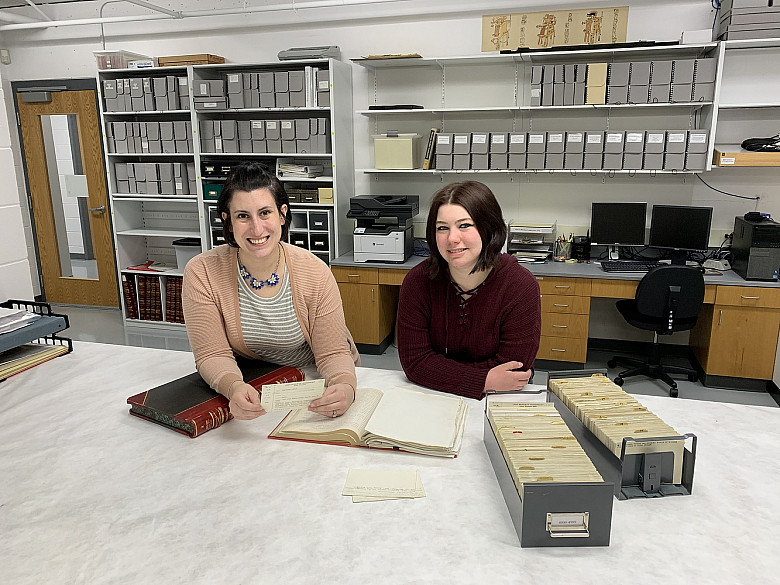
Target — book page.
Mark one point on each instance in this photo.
(395, 483)
(310, 425)
(292, 395)
(410, 416)
(419, 492)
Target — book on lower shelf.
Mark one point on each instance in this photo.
(398, 418)
(131, 298)
(24, 357)
(189, 406)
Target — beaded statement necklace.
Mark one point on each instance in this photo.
(272, 280)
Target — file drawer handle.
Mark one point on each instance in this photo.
(559, 305)
(353, 276)
(562, 350)
(562, 286)
(750, 298)
(561, 326)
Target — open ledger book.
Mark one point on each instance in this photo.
(398, 418)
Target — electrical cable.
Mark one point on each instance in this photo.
(725, 192)
(771, 144)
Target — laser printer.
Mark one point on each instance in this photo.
(383, 227)
(755, 249)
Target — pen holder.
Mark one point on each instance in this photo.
(563, 250)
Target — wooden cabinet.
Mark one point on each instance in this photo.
(737, 336)
(369, 307)
(565, 314)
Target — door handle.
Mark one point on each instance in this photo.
(99, 209)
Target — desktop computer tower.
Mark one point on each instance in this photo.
(755, 249)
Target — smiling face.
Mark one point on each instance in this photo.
(457, 238)
(256, 222)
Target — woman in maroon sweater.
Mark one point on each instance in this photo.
(469, 317)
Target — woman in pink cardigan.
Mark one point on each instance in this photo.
(261, 298)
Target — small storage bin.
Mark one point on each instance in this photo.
(318, 242)
(318, 221)
(299, 239)
(396, 151)
(186, 250)
(116, 59)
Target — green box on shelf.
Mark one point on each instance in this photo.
(212, 190)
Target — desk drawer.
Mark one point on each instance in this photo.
(565, 304)
(355, 275)
(392, 276)
(562, 349)
(565, 325)
(564, 286)
(748, 296)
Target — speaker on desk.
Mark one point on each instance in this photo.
(580, 248)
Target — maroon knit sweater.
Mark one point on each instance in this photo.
(449, 348)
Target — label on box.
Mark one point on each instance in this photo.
(233, 78)
(536, 92)
(655, 138)
(270, 124)
(204, 89)
(536, 138)
(697, 138)
(677, 137)
(461, 139)
(614, 137)
(210, 105)
(443, 139)
(360, 230)
(555, 138)
(323, 85)
(479, 138)
(634, 137)
(517, 139)
(257, 123)
(179, 185)
(594, 138)
(574, 137)
(727, 160)
(286, 124)
(497, 139)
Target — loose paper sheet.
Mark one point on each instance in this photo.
(292, 395)
(368, 485)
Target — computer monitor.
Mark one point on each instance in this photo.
(618, 224)
(680, 228)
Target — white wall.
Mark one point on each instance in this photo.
(15, 281)
(431, 28)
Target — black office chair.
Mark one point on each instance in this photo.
(668, 299)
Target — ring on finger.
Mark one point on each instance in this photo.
(333, 415)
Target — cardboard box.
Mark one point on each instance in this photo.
(661, 73)
(479, 143)
(612, 161)
(296, 89)
(681, 92)
(634, 142)
(617, 94)
(653, 161)
(682, 71)
(593, 160)
(655, 142)
(272, 130)
(695, 161)
(536, 142)
(480, 161)
(397, 152)
(596, 94)
(594, 143)
(638, 94)
(517, 160)
(499, 160)
(499, 142)
(674, 161)
(461, 143)
(553, 160)
(618, 74)
(660, 94)
(703, 92)
(554, 143)
(639, 73)
(547, 94)
(517, 143)
(575, 142)
(613, 143)
(632, 160)
(325, 194)
(676, 141)
(731, 155)
(573, 160)
(461, 162)
(443, 161)
(287, 129)
(535, 160)
(697, 141)
(180, 60)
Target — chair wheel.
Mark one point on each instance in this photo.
(692, 377)
(611, 363)
(673, 392)
(619, 381)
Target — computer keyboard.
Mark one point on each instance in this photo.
(627, 266)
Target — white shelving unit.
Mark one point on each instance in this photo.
(145, 225)
(491, 93)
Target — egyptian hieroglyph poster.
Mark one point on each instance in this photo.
(559, 28)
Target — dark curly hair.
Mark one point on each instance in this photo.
(248, 177)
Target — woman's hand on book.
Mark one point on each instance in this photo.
(245, 402)
(334, 401)
(507, 377)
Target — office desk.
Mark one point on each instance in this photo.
(92, 495)
(734, 341)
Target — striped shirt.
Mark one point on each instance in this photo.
(271, 327)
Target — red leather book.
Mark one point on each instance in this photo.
(189, 406)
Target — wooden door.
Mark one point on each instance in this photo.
(88, 275)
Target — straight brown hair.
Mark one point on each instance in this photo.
(480, 203)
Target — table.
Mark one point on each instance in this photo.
(92, 495)
(734, 341)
